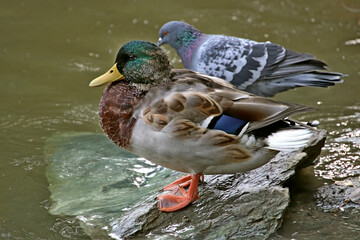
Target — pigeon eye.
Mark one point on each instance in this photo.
(165, 33)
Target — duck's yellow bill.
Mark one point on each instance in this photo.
(110, 76)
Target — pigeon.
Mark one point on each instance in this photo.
(262, 68)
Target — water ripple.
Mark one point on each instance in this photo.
(341, 154)
(28, 132)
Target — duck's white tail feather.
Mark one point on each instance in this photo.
(290, 139)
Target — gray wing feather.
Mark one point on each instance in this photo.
(261, 68)
(239, 61)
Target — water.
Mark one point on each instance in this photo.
(51, 49)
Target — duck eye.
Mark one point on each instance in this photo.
(131, 57)
(166, 33)
(111, 71)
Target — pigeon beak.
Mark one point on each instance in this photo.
(160, 42)
(110, 76)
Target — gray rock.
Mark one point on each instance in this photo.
(339, 195)
(255, 212)
(355, 196)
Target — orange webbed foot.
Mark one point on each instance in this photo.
(183, 182)
(178, 197)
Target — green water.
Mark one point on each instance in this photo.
(51, 49)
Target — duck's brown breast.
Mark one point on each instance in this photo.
(116, 112)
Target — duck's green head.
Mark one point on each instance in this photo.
(139, 62)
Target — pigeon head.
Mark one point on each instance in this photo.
(181, 36)
(178, 34)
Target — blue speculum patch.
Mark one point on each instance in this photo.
(227, 124)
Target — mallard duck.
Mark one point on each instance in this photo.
(190, 122)
(262, 68)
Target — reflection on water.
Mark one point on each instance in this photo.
(75, 66)
(52, 49)
(340, 157)
(68, 228)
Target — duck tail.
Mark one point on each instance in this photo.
(289, 139)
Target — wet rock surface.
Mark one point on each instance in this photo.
(237, 206)
(255, 213)
(339, 195)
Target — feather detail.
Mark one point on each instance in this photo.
(183, 128)
(179, 101)
(289, 139)
(228, 143)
